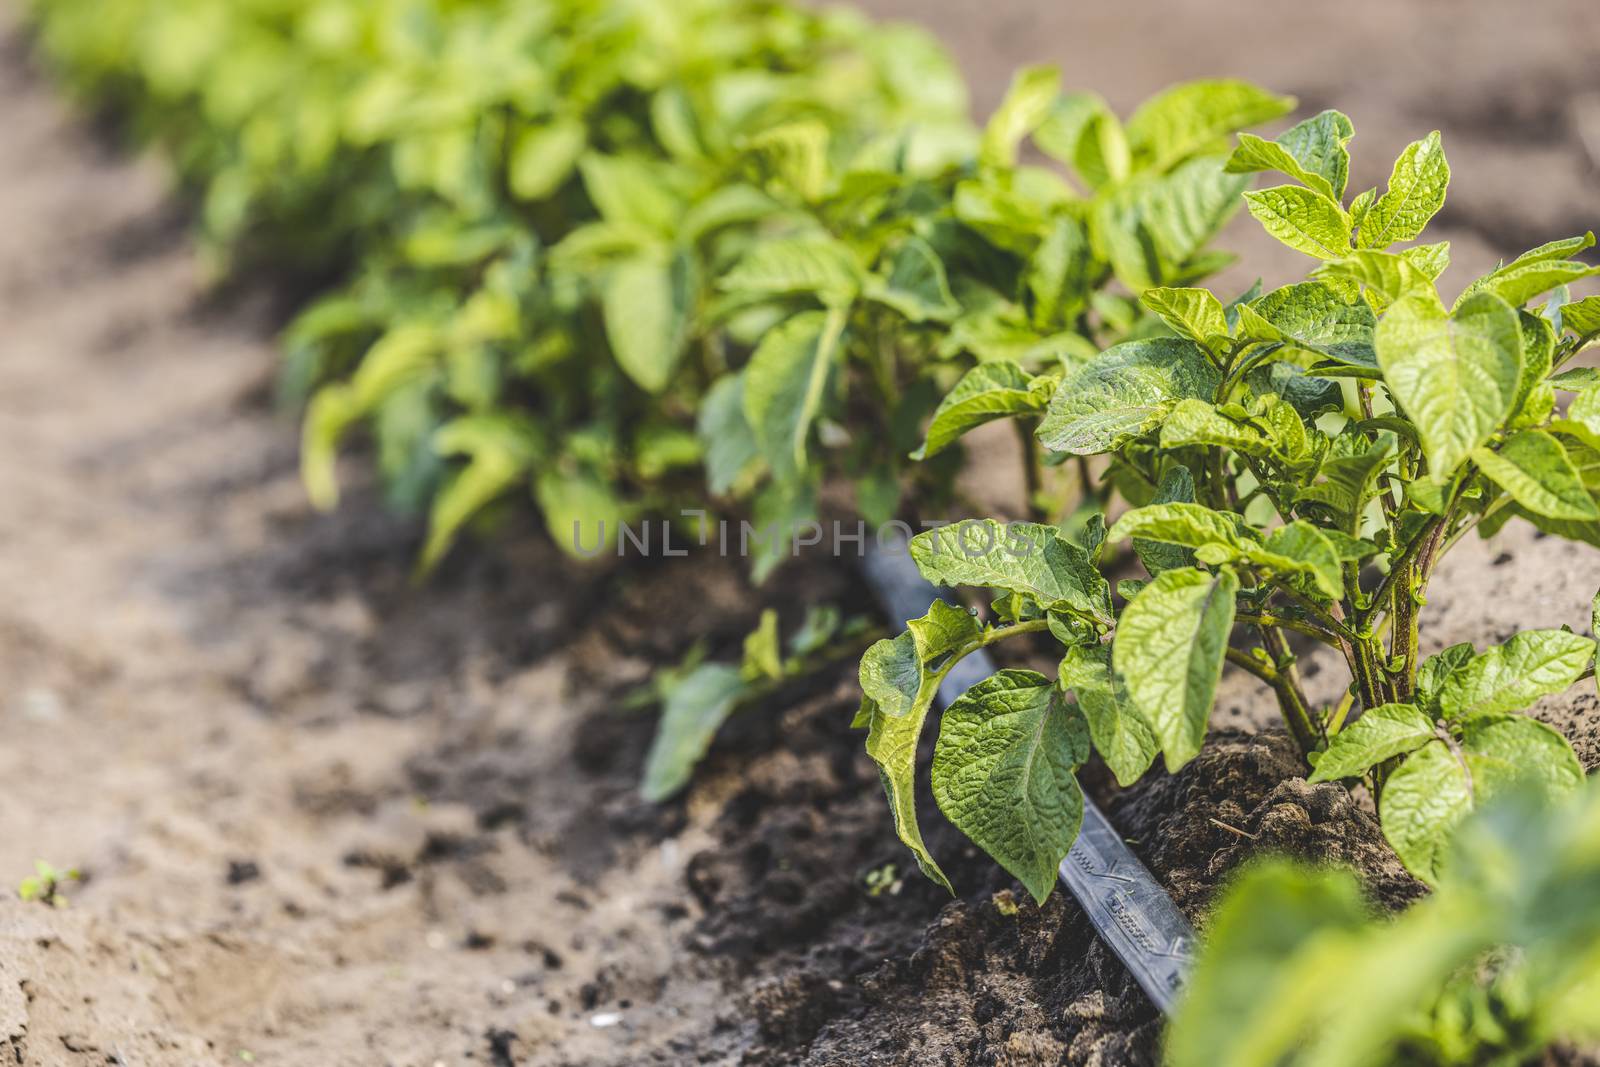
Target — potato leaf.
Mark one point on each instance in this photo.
(1118, 728)
(1312, 152)
(1192, 117)
(1003, 773)
(784, 385)
(1455, 375)
(1124, 394)
(1415, 194)
(892, 745)
(1027, 103)
(694, 709)
(1381, 733)
(1509, 677)
(1193, 313)
(1304, 219)
(1021, 557)
(1438, 784)
(1169, 647)
(1534, 468)
(647, 305)
(987, 392)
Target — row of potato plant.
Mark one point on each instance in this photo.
(619, 256)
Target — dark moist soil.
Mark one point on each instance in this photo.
(912, 977)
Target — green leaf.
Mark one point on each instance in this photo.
(892, 678)
(1303, 219)
(1534, 393)
(1438, 667)
(1060, 274)
(1177, 487)
(1578, 380)
(1195, 422)
(1022, 557)
(1312, 152)
(727, 441)
(1003, 773)
(630, 191)
(987, 392)
(727, 205)
(1387, 277)
(1582, 317)
(784, 384)
(646, 306)
(1027, 102)
(1563, 248)
(1169, 646)
(1299, 547)
(1186, 524)
(944, 629)
(1521, 282)
(1509, 677)
(1150, 227)
(817, 265)
(1415, 194)
(916, 286)
(1430, 259)
(1194, 116)
(1312, 316)
(693, 711)
(1505, 752)
(1082, 132)
(892, 745)
(763, 654)
(543, 157)
(1119, 730)
(1583, 415)
(1381, 733)
(1274, 944)
(794, 155)
(1193, 313)
(1124, 394)
(581, 509)
(1455, 375)
(1534, 468)
(1427, 797)
(1422, 801)
(499, 449)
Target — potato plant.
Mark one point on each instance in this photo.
(1298, 463)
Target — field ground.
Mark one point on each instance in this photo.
(327, 817)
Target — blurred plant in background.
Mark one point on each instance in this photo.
(621, 254)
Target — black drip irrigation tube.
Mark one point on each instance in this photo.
(1130, 911)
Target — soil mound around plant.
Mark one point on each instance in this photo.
(839, 976)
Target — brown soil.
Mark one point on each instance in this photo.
(327, 817)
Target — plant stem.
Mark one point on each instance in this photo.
(1401, 565)
(1032, 476)
(1331, 622)
(1251, 665)
(1291, 700)
(1267, 618)
(1335, 721)
(1403, 643)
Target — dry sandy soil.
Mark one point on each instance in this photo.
(326, 817)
